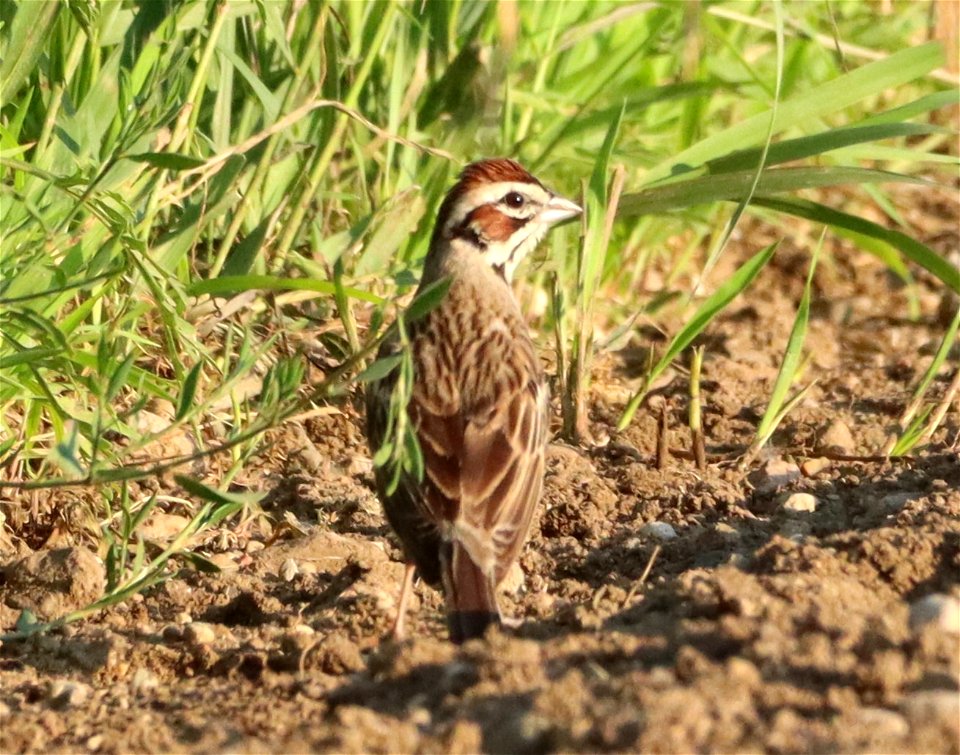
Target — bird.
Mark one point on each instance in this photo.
(479, 404)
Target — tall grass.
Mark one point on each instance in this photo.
(186, 187)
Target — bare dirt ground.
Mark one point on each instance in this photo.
(663, 610)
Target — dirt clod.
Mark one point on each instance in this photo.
(837, 438)
(50, 583)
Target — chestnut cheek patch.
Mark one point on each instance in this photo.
(491, 225)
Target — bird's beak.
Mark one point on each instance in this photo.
(559, 210)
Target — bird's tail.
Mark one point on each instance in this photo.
(470, 594)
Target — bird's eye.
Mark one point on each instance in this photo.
(514, 199)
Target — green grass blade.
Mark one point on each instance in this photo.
(714, 304)
(915, 251)
(734, 186)
(29, 32)
(791, 357)
(229, 285)
(818, 144)
(816, 102)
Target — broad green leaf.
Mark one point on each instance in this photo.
(199, 214)
(244, 254)
(924, 104)
(383, 454)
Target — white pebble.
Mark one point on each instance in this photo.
(659, 530)
(800, 503)
(942, 610)
(931, 707)
(289, 570)
(68, 694)
(143, 681)
(889, 722)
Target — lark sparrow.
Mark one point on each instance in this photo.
(479, 405)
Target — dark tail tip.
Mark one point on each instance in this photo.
(466, 625)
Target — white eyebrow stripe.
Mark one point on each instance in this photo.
(493, 193)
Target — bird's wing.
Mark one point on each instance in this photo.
(502, 476)
(482, 426)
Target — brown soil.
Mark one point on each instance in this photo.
(759, 626)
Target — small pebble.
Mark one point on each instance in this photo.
(68, 694)
(199, 633)
(227, 561)
(894, 502)
(942, 610)
(534, 732)
(837, 438)
(800, 503)
(813, 467)
(931, 707)
(172, 633)
(95, 742)
(420, 717)
(774, 474)
(289, 570)
(726, 531)
(795, 529)
(143, 680)
(659, 530)
(889, 723)
(737, 561)
(743, 672)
